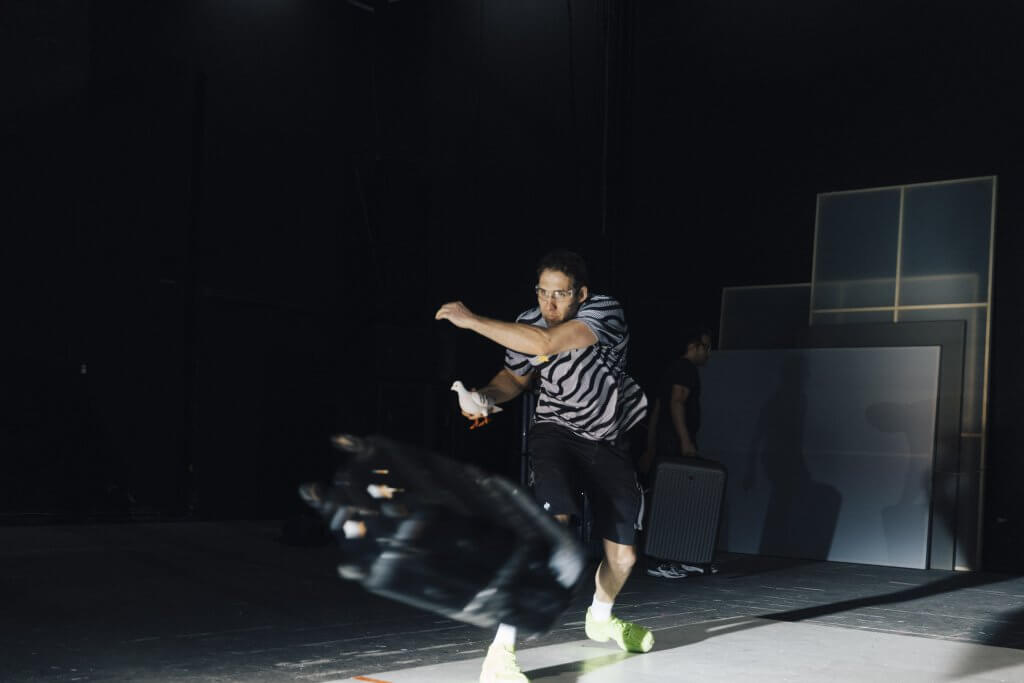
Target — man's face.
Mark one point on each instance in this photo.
(701, 353)
(556, 297)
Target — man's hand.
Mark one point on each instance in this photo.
(689, 451)
(456, 313)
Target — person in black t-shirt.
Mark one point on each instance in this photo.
(674, 423)
(675, 419)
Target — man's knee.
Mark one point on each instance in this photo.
(622, 557)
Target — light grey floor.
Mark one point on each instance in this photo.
(737, 650)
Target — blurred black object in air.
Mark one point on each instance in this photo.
(446, 537)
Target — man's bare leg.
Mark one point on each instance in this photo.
(611, 576)
(614, 570)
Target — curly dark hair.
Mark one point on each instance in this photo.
(693, 334)
(568, 262)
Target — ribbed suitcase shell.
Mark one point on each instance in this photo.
(685, 511)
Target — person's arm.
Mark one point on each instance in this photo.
(506, 385)
(677, 409)
(527, 339)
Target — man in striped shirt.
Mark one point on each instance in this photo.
(574, 343)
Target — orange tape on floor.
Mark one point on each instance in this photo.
(369, 680)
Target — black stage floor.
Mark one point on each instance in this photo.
(231, 602)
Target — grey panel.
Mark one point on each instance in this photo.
(946, 235)
(942, 553)
(967, 540)
(829, 451)
(763, 317)
(974, 357)
(949, 336)
(970, 453)
(855, 249)
(968, 496)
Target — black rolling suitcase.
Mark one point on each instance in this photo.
(685, 510)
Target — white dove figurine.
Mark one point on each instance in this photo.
(475, 405)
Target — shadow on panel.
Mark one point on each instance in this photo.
(803, 525)
(827, 449)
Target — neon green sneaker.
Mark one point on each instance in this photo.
(500, 666)
(630, 637)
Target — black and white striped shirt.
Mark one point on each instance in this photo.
(586, 390)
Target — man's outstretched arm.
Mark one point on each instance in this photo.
(526, 339)
(506, 385)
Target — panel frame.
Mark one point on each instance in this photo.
(964, 563)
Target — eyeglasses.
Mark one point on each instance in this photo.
(557, 294)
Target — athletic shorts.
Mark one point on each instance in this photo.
(565, 464)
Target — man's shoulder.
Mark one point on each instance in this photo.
(600, 300)
(600, 304)
(605, 318)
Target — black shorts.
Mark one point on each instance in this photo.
(564, 464)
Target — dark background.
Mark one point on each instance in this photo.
(228, 224)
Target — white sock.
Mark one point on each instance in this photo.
(506, 636)
(601, 610)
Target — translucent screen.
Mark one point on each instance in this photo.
(763, 317)
(856, 249)
(946, 238)
(847, 318)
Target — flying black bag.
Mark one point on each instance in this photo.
(446, 537)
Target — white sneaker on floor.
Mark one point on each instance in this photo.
(697, 569)
(667, 570)
(500, 666)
